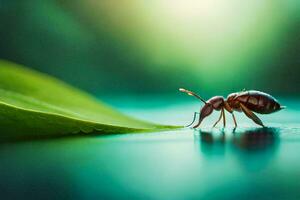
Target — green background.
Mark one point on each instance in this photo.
(135, 55)
(154, 47)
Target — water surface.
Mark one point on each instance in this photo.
(248, 163)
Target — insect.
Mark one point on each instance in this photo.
(248, 102)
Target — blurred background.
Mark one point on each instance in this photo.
(153, 47)
(139, 52)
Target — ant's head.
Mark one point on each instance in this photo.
(207, 108)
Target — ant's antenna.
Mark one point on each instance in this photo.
(192, 94)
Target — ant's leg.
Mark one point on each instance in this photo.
(234, 120)
(251, 115)
(194, 118)
(224, 119)
(218, 119)
(198, 124)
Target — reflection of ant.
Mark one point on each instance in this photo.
(211, 144)
(254, 148)
(209, 138)
(258, 138)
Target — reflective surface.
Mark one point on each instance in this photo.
(248, 163)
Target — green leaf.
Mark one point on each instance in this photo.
(37, 105)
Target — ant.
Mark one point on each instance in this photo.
(246, 101)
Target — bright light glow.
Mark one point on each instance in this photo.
(192, 10)
(218, 36)
(212, 38)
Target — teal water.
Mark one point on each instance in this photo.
(250, 163)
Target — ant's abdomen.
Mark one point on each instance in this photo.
(258, 102)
